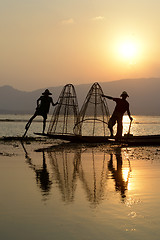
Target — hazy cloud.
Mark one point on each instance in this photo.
(99, 18)
(68, 21)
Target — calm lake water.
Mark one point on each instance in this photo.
(79, 192)
(14, 125)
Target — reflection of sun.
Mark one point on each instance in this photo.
(126, 172)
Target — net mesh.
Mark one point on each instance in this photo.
(94, 114)
(66, 112)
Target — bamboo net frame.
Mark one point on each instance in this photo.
(94, 114)
(66, 112)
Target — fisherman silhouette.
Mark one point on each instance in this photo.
(121, 107)
(42, 109)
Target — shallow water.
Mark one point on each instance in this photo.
(79, 192)
(14, 125)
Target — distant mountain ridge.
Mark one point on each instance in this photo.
(144, 96)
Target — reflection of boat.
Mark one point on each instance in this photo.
(71, 167)
(89, 166)
(92, 168)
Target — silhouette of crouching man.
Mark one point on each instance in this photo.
(42, 109)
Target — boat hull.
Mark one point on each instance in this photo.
(77, 138)
(130, 140)
(142, 140)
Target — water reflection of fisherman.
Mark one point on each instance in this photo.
(42, 177)
(42, 109)
(42, 174)
(117, 173)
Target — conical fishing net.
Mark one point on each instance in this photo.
(94, 115)
(66, 112)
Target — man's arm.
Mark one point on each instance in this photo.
(107, 96)
(53, 104)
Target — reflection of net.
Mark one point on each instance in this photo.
(92, 173)
(65, 167)
(94, 114)
(65, 114)
(71, 165)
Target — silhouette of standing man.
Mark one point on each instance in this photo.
(43, 106)
(121, 107)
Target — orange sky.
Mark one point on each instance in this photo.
(50, 43)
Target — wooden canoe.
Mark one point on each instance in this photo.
(127, 139)
(76, 138)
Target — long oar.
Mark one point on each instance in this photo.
(129, 127)
(128, 134)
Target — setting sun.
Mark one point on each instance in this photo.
(128, 49)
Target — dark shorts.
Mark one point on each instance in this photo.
(113, 120)
(38, 112)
